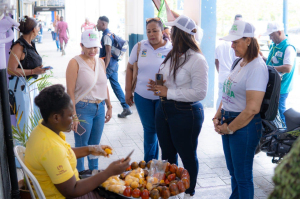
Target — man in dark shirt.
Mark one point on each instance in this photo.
(111, 64)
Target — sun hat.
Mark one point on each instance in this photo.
(90, 39)
(273, 27)
(183, 23)
(239, 30)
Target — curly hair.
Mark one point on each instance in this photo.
(52, 99)
(27, 25)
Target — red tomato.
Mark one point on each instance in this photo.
(127, 192)
(171, 177)
(167, 181)
(145, 194)
(136, 193)
(173, 168)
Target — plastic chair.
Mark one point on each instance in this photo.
(20, 153)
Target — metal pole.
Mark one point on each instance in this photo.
(15, 193)
(285, 15)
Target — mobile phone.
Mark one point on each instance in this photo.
(159, 79)
(80, 130)
(48, 67)
(128, 155)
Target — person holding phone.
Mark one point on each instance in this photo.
(87, 87)
(24, 66)
(179, 114)
(52, 160)
(151, 55)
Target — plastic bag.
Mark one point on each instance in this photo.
(156, 173)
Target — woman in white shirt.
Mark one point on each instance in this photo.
(238, 119)
(87, 87)
(151, 55)
(180, 115)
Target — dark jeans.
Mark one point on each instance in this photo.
(282, 107)
(239, 149)
(178, 125)
(113, 78)
(146, 109)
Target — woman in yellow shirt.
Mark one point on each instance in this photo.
(52, 160)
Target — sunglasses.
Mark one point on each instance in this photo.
(153, 19)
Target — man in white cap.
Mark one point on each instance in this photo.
(283, 57)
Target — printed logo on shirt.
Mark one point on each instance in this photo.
(227, 88)
(61, 170)
(144, 53)
(278, 54)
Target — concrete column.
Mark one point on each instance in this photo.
(204, 14)
(134, 21)
(285, 15)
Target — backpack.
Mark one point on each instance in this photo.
(270, 103)
(119, 47)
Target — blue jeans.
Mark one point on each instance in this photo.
(282, 107)
(113, 79)
(94, 116)
(146, 110)
(56, 38)
(239, 149)
(178, 125)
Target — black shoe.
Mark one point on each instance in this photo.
(126, 111)
(85, 172)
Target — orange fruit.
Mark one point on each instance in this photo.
(108, 151)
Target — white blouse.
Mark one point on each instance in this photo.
(191, 78)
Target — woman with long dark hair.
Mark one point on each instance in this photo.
(179, 115)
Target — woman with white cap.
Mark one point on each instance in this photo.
(87, 87)
(238, 119)
(179, 115)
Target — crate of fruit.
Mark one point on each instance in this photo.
(155, 179)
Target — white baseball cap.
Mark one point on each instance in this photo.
(239, 30)
(273, 27)
(183, 23)
(90, 39)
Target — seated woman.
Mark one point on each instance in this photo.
(52, 160)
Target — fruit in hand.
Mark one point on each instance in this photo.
(173, 189)
(154, 194)
(165, 193)
(127, 192)
(136, 193)
(134, 165)
(108, 151)
(128, 168)
(173, 168)
(145, 194)
(142, 164)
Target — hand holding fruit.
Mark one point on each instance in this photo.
(98, 150)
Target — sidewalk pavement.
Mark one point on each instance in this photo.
(123, 135)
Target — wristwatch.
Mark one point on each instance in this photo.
(229, 131)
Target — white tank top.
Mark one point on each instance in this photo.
(85, 80)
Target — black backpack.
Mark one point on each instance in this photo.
(270, 103)
(119, 47)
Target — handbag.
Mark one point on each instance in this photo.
(135, 69)
(93, 85)
(12, 98)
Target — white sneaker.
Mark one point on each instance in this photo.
(187, 196)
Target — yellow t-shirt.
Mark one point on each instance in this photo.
(50, 159)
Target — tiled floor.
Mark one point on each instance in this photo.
(127, 134)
